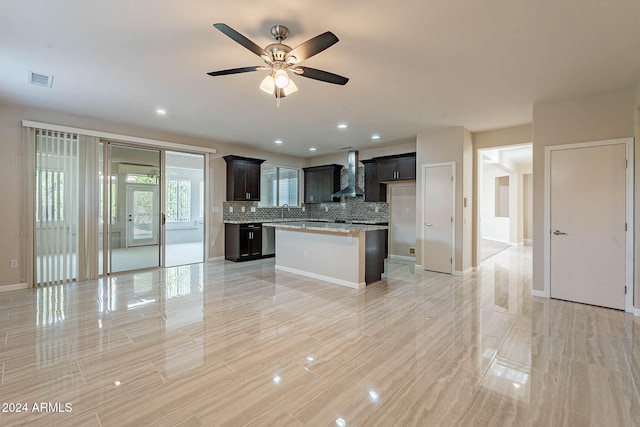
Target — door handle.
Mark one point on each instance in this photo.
(429, 224)
(164, 219)
(560, 233)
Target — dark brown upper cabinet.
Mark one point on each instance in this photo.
(320, 182)
(372, 184)
(243, 178)
(396, 168)
(379, 171)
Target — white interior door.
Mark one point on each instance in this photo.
(587, 218)
(437, 244)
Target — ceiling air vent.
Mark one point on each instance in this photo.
(39, 79)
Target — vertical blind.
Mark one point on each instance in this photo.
(56, 206)
(66, 217)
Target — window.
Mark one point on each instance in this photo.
(50, 200)
(178, 200)
(502, 196)
(279, 186)
(136, 178)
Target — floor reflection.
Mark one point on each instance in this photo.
(243, 344)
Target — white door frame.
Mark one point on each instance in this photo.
(453, 211)
(546, 292)
(129, 205)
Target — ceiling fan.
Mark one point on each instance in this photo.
(280, 58)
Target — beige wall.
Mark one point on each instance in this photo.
(441, 145)
(402, 218)
(527, 206)
(364, 154)
(636, 116)
(13, 244)
(468, 195)
(594, 117)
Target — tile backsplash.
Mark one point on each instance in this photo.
(348, 209)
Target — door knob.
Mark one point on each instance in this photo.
(429, 224)
(560, 233)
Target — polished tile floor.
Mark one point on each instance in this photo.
(243, 345)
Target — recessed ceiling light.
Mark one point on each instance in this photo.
(312, 149)
(342, 126)
(375, 136)
(277, 141)
(161, 112)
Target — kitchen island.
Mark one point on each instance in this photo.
(346, 254)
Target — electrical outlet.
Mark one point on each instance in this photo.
(412, 251)
(14, 263)
(303, 209)
(253, 208)
(242, 209)
(230, 209)
(215, 209)
(326, 208)
(377, 209)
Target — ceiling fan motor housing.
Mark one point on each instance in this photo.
(277, 51)
(279, 32)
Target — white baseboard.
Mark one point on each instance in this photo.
(418, 268)
(463, 273)
(636, 311)
(16, 287)
(497, 241)
(528, 241)
(335, 280)
(537, 293)
(402, 257)
(217, 258)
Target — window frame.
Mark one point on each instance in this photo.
(263, 203)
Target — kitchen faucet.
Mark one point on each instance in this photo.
(282, 211)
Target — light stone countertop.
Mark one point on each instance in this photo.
(330, 227)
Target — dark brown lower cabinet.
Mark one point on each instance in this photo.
(242, 242)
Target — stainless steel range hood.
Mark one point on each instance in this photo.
(351, 190)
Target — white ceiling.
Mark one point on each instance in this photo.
(515, 156)
(412, 64)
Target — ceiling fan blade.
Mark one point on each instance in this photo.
(235, 71)
(323, 76)
(313, 46)
(239, 38)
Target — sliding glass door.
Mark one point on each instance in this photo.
(102, 207)
(184, 211)
(133, 211)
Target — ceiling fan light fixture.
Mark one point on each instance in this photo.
(268, 85)
(291, 88)
(281, 79)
